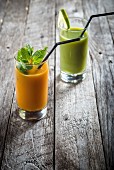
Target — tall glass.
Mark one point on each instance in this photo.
(32, 91)
(73, 56)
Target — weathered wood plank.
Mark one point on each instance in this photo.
(30, 145)
(2, 12)
(102, 55)
(10, 39)
(109, 6)
(78, 141)
(78, 137)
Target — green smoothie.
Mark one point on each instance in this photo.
(73, 56)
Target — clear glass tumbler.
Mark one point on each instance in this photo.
(31, 90)
(73, 56)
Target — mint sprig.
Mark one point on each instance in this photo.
(26, 57)
(39, 55)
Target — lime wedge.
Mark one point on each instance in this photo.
(63, 19)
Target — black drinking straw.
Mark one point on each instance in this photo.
(75, 39)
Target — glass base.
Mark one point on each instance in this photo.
(29, 115)
(72, 78)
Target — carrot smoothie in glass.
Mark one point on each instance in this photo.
(32, 88)
(31, 85)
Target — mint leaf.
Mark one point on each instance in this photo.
(21, 67)
(24, 61)
(30, 49)
(39, 55)
(19, 55)
(26, 66)
(25, 54)
(21, 58)
(29, 67)
(37, 59)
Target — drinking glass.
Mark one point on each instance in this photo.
(31, 90)
(73, 56)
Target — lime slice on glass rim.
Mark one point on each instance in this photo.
(63, 19)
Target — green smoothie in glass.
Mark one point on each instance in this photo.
(73, 56)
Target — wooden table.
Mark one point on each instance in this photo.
(78, 130)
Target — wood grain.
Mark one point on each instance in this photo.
(102, 55)
(77, 132)
(2, 12)
(10, 38)
(78, 137)
(29, 145)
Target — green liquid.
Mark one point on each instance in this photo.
(73, 56)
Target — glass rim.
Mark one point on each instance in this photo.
(78, 18)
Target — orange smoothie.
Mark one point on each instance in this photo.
(32, 88)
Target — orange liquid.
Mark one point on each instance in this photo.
(32, 89)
